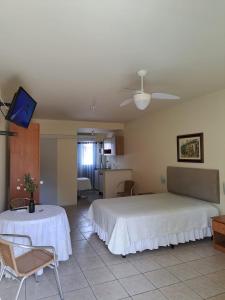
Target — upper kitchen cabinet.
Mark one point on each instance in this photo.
(118, 145)
(114, 145)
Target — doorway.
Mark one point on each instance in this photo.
(95, 155)
(48, 167)
(88, 161)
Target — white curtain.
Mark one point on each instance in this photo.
(86, 160)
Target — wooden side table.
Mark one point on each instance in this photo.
(218, 225)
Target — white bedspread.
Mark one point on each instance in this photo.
(83, 184)
(132, 224)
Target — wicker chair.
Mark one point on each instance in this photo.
(27, 264)
(18, 202)
(128, 188)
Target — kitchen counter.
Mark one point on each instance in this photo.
(107, 180)
(110, 178)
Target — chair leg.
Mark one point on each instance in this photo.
(2, 272)
(19, 289)
(58, 282)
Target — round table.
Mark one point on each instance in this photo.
(47, 226)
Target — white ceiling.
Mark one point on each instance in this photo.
(70, 54)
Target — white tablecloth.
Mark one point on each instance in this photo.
(47, 226)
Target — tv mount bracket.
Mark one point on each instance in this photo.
(7, 133)
(4, 104)
(3, 132)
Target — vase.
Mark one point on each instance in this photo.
(31, 204)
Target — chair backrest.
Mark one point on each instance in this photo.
(7, 254)
(19, 202)
(128, 185)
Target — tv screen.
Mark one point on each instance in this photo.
(21, 109)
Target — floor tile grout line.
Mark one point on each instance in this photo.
(165, 268)
(194, 291)
(87, 280)
(156, 288)
(181, 280)
(199, 294)
(118, 279)
(107, 281)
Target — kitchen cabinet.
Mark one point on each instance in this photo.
(114, 145)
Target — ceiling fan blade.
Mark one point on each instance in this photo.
(126, 102)
(165, 96)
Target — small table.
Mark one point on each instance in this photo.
(47, 226)
(218, 225)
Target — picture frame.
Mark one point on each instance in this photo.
(190, 148)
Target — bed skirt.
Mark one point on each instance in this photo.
(153, 243)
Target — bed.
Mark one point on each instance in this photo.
(137, 223)
(83, 184)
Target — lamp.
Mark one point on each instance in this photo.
(142, 100)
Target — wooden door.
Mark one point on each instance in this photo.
(24, 158)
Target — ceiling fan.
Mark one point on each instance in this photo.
(142, 99)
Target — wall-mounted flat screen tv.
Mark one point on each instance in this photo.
(21, 109)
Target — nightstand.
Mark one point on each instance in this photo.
(218, 225)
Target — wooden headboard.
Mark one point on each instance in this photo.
(198, 183)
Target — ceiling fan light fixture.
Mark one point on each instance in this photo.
(142, 100)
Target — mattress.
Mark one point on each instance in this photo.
(83, 184)
(132, 224)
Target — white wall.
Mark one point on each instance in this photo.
(58, 170)
(150, 141)
(65, 134)
(66, 170)
(3, 141)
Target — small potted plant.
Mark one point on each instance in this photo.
(30, 186)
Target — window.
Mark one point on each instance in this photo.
(87, 154)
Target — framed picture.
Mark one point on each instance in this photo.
(190, 148)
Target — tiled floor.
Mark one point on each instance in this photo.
(188, 272)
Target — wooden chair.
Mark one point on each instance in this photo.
(18, 202)
(25, 265)
(128, 189)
